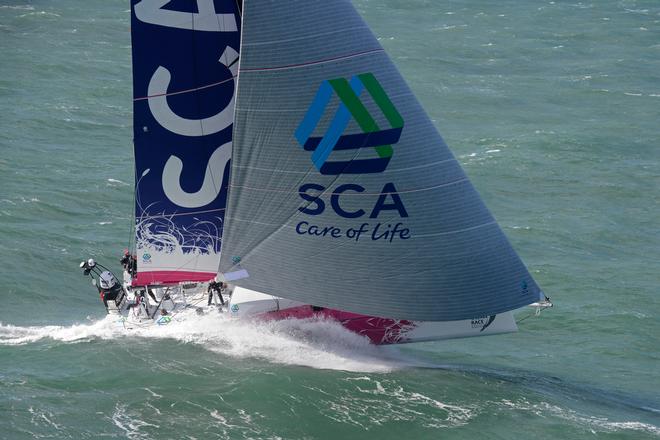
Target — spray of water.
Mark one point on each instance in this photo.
(315, 343)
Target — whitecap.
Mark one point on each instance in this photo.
(595, 423)
(23, 7)
(40, 14)
(114, 182)
(131, 424)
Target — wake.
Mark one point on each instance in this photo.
(315, 343)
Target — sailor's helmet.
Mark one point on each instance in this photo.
(107, 280)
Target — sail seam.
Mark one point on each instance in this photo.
(299, 110)
(274, 171)
(429, 188)
(312, 63)
(306, 37)
(435, 234)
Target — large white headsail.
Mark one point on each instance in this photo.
(342, 193)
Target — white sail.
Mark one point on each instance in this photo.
(342, 193)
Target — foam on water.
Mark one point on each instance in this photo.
(16, 335)
(315, 343)
(372, 401)
(412, 406)
(117, 182)
(593, 423)
(129, 423)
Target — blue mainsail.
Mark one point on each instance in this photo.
(185, 60)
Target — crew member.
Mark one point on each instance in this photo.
(129, 263)
(109, 288)
(218, 288)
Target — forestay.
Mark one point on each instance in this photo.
(342, 193)
(185, 60)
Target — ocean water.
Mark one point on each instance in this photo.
(553, 109)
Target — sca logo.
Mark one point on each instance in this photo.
(372, 136)
(146, 257)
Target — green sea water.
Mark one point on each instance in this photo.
(553, 109)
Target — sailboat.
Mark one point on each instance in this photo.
(279, 151)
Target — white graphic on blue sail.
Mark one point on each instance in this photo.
(206, 19)
(166, 117)
(210, 188)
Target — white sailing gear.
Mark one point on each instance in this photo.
(107, 280)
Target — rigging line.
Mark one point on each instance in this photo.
(256, 222)
(132, 229)
(541, 310)
(298, 211)
(187, 305)
(199, 109)
(391, 170)
(392, 96)
(312, 63)
(306, 37)
(171, 314)
(131, 236)
(194, 89)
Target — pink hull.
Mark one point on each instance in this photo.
(380, 330)
(162, 277)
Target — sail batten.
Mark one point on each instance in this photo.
(348, 198)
